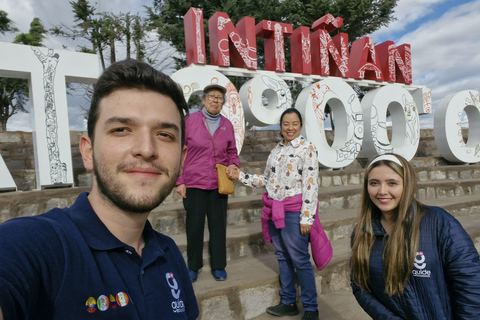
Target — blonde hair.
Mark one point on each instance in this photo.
(402, 243)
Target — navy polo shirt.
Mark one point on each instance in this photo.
(65, 264)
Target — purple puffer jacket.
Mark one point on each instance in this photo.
(199, 169)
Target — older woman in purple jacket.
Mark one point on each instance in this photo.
(210, 139)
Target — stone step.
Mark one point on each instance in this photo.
(243, 208)
(427, 168)
(245, 205)
(252, 284)
(247, 239)
(340, 305)
(30, 203)
(17, 150)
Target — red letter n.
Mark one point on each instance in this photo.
(396, 63)
(225, 38)
(326, 58)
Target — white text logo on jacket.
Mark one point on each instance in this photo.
(177, 304)
(420, 266)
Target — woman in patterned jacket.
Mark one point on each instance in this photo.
(291, 182)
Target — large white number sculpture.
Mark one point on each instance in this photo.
(276, 92)
(347, 113)
(448, 129)
(405, 122)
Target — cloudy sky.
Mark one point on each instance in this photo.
(444, 36)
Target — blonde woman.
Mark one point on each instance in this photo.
(410, 261)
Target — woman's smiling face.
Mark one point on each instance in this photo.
(290, 126)
(385, 188)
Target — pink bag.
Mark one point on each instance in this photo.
(322, 250)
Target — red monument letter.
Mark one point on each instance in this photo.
(364, 62)
(194, 36)
(274, 34)
(240, 41)
(396, 63)
(301, 50)
(329, 56)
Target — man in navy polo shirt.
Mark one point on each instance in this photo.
(101, 258)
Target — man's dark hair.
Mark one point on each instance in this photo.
(133, 74)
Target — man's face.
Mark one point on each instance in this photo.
(137, 153)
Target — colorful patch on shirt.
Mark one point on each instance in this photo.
(103, 303)
(122, 299)
(113, 302)
(91, 305)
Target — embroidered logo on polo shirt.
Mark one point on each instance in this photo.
(420, 266)
(113, 302)
(91, 305)
(103, 302)
(122, 299)
(177, 304)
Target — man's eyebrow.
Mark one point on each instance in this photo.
(160, 125)
(119, 120)
(168, 125)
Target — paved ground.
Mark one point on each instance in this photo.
(334, 306)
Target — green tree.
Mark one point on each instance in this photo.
(106, 33)
(35, 36)
(14, 92)
(6, 25)
(88, 27)
(13, 96)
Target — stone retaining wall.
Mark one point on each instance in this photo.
(16, 148)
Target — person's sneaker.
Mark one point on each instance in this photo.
(281, 310)
(310, 315)
(193, 275)
(219, 274)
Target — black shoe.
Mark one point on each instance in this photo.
(310, 315)
(281, 310)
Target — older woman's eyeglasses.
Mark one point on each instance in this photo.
(212, 97)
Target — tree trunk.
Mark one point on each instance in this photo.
(128, 35)
(113, 56)
(3, 124)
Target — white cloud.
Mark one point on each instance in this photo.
(445, 52)
(406, 13)
(20, 122)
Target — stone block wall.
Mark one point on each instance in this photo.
(16, 148)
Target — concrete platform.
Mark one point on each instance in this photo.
(340, 305)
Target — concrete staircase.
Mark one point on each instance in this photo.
(252, 283)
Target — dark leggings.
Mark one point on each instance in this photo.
(198, 204)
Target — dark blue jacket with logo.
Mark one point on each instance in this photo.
(445, 281)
